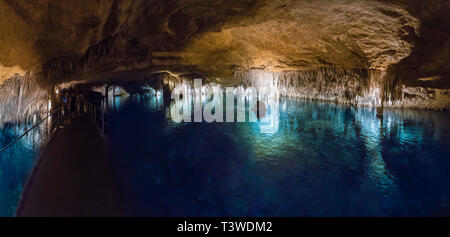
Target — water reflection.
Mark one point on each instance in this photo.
(152, 98)
(213, 104)
(17, 161)
(319, 159)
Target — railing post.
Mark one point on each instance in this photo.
(103, 122)
(33, 141)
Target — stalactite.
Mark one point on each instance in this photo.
(392, 89)
(359, 87)
(21, 97)
(340, 85)
(57, 68)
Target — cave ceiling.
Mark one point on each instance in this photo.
(71, 38)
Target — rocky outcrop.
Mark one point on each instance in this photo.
(33, 32)
(431, 53)
(310, 34)
(217, 36)
(112, 54)
(64, 41)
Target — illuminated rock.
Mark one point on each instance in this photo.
(86, 41)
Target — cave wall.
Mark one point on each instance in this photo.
(345, 46)
(218, 36)
(359, 87)
(21, 98)
(356, 87)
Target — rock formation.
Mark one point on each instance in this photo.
(406, 41)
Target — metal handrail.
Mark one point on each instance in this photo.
(93, 111)
(29, 130)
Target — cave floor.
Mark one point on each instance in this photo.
(73, 177)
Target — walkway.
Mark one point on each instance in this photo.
(74, 177)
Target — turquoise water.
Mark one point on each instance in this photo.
(308, 159)
(16, 163)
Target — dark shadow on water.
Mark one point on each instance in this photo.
(323, 160)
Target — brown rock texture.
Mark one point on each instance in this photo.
(68, 40)
(214, 35)
(33, 31)
(309, 34)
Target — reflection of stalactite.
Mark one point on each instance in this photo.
(20, 98)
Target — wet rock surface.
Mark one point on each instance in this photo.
(64, 41)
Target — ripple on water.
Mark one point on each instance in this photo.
(322, 159)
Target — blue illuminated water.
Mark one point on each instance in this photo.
(320, 159)
(17, 162)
